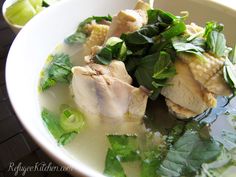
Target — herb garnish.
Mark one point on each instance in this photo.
(230, 75)
(64, 129)
(58, 69)
(80, 35)
(114, 48)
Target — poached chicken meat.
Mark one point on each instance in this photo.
(188, 95)
(129, 20)
(197, 84)
(105, 91)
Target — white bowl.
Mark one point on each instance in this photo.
(40, 36)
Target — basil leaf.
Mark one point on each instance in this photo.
(213, 26)
(58, 69)
(80, 35)
(144, 70)
(163, 68)
(125, 147)
(115, 48)
(165, 20)
(93, 18)
(113, 167)
(230, 75)
(52, 122)
(159, 83)
(182, 45)
(216, 43)
(232, 55)
(136, 38)
(104, 56)
(174, 30)
(195, 46)
(159, 16)
(199, 42)
(118, 48)
(77, 37)
(187, 155)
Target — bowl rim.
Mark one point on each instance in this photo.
(79, 168)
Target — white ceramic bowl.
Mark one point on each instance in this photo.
(39, 37)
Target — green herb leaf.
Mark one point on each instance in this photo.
(125, 147)
(71, 120)
(213, 26)
(77, 37)
(163, 68)
(118, 48)
(195, 46)
(52, 122)
(145, 70)
(113, 167)
(136, 38)
(80, 35)
(159, 16)
(104, 56)
(58, 69)
(88, 20)
(232, 55)
(150, 163)
(216, 43)
(187, 155)
(115, 48)
(174, 30)
(230, 75)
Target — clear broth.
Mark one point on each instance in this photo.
(90, 146)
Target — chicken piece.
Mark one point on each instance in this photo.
(115, 69)
(208, 72)
(179, 111)
(104, 91)
(186, 92)
(98, 33)
(129, 20)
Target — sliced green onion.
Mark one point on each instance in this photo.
(71, 119)
(20, 12)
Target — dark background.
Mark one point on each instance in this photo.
(15, 144)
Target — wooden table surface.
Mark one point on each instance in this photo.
(16, 147)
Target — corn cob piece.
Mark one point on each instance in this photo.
(208, 72)
(96, 38)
